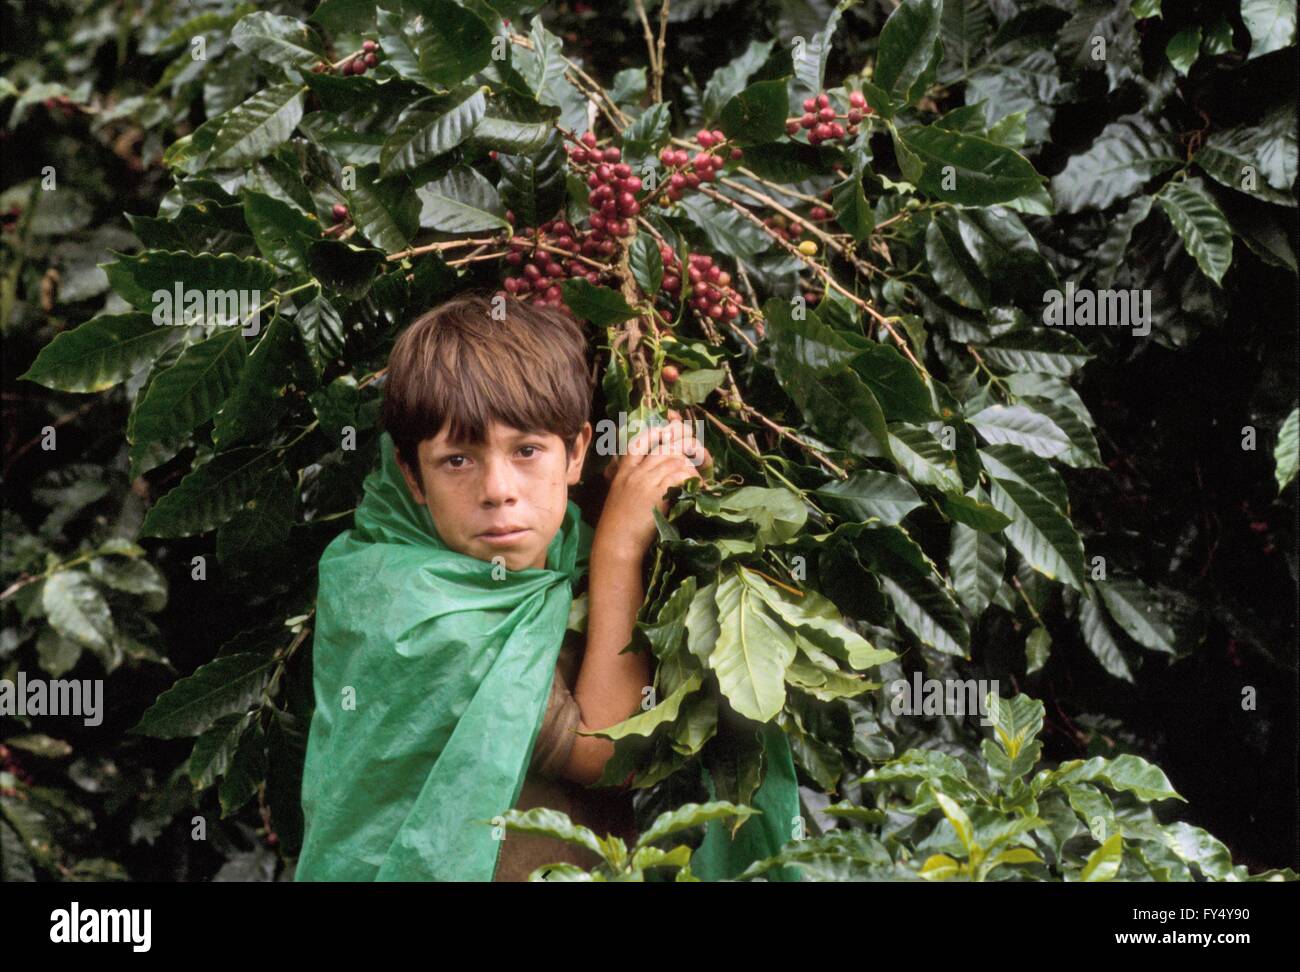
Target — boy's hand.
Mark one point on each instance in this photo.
(658, 458)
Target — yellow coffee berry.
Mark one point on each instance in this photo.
(808, 248)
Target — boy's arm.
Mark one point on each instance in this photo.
(609, 684)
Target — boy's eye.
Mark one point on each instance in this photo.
(452, 461)
(533, 447)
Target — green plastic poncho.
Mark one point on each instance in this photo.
(432, 671)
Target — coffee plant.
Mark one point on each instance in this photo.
(867, 257)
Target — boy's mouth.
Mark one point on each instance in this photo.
(503, 535)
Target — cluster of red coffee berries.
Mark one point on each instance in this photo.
(687, 172)
(711, 292)
(540, 269)
(613, 189)
(823, 122)
(9, 218)
(367, 57)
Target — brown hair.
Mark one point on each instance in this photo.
(458, 364)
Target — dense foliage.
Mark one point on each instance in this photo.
(837, 252)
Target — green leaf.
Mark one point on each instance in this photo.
(322, 331)
(693, 387)
(1256, 159)
(725, 229)
(386, 211)
(257, 127)
(973, 513)
(756, 114)
(246, 772)
(789, 161)
(257, 402)
(1049, 352)
(213, 750)
(646, 722)
(1127, 153)
(1126, 772)
(77, 610)
(1286, 455)
(277, 40)
(1272, 25)
(894, 381)
(923, 458)
(852, 211)
(462, 201)
(957, 817)
(822, 634)
(148, 281)
(1097, 636)
(209, 495)
(1013, 462)
(915, 588)
(278, 229)
(1082, 453)
(552, 823)
(963, 169)
(810, 362)
(514, 124)
(910, 49)
(229, 684)
(1103, 863)
(533, 185)
(1201, 226)
(647, 264)
(598, 305)
(344, 268)
(396, 40)
(453, 43)
(190, 391)
(1109, 258)
(776, 514)
(752, 650)
(431, 127)
(1183, 49)
(1142, 9)
(1038, 647)
(870, 493)
(101, 352)
(648, 134)
(809, 60)
(984, 257)
(1136, 609)
(1042, 535)
(976, 562)
(730, 79)
(690, 815)
(1020, 426)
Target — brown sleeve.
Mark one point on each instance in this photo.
(556, 738)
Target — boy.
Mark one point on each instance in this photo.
(442, 697)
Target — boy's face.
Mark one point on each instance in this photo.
(516, 481)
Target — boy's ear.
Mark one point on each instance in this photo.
(579, 454)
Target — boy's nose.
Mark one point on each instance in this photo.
(498, 482)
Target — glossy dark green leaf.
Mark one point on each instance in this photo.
(756, 114)
(1120, 161)
(462, 201)
(100, 353)
(1200, 224)
(344, 268)
(431, 127)
(257, 127)
(910, 49)
(210, 495)
(453, 42)
(963, 169)
(599, 305)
